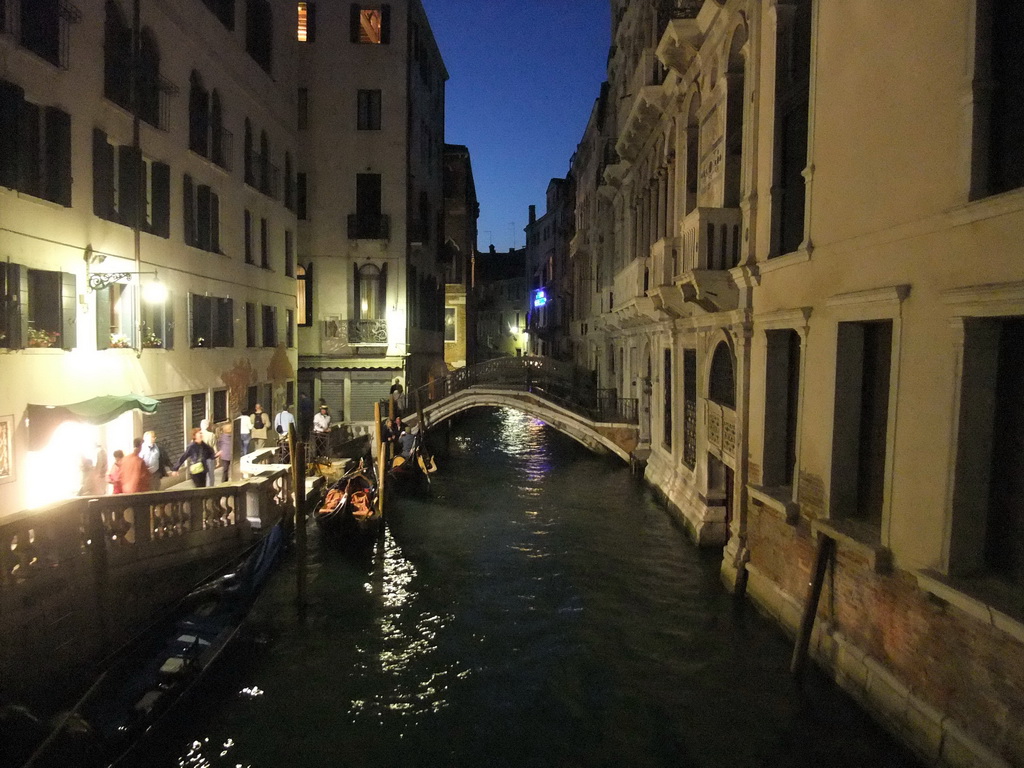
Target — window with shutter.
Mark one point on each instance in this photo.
(58, 157)
(189, 211)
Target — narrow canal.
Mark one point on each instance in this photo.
(540, 610)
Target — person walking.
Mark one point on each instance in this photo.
(135, 475)
(244, 431)
(396, 394)
(157, 460)
(260, 424)
(225, 442)
(211, 440)
(322, 432)
(196, 456)
(114, 476)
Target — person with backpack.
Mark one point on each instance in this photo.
(260, 424)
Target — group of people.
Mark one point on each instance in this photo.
(401, 440)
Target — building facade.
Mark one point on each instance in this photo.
(370, 99)
(500, 300)
(799, 221)
(142, 148)
(461, 212)
(547, 250)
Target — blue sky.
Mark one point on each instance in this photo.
(523, 77)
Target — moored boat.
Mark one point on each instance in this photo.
(349, 509)
(160, 667)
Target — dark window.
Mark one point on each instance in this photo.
(212, 321)
(117, 56)
(666, 426)
(35, 147)
(792, 97)
(247, 237)
(368, 222)
(40, 308)
(264, 244)
(220, 137)
(158, 324)
(289, 183)
(259, 33)
(289, 253)
(860, 430)
(782, 389)
(198, 116)
(289, 328)
(251, 325)
(690, 408)
(220, 405)
(149, 81)
(300, 196)
(1006, 113)
(368, 110)
(40, 28)
(248, 159)
(721, 385)
(269, 326)
(198, 409)
(370, 24)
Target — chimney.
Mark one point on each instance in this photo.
(492, 248)
(533, 214)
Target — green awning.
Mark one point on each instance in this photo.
(43, 419)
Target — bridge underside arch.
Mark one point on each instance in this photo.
(620, 439)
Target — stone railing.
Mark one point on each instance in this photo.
(80, 576)
(711, 239)
(663, 262)
(721, 430)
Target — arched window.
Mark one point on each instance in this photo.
(734, 120)
(198, 116)
(722, 384)
(692, 153)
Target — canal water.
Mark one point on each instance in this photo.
(541, 609)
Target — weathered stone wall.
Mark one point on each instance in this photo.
(948, 683)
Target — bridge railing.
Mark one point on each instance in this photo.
(564, 384)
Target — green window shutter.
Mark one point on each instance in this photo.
(169, 322)
(11, 99)
(68, 310)
(214, 222)
(30, 165)
(161, 199)
(130, 192)
(58, 157)
(103, 318)
(188, 210)
(203, 217)
(102, 175)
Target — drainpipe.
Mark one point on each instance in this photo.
(140, 179)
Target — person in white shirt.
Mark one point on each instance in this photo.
(322, 421)
(283, 421)
(244, 431)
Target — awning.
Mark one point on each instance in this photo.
(44, 419)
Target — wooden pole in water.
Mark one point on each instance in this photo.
(378, 436)
(298, 454)
(826, 549)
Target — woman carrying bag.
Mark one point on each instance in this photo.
(194, 459)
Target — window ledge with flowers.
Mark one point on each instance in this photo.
(39, 338)
(150, 340)
(120, 341)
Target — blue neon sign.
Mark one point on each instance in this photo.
(540, 298)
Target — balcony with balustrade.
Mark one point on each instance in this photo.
(631, 305)
(710, 247)
(680, 42)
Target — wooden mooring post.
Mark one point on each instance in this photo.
(826, 550)
(298, 456)
(381, 452)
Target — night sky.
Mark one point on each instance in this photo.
(523, 78)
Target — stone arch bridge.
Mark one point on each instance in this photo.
(560, 394)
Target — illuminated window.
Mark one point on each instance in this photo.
(306, 30)
(449, 324)
(370, 24)
(301, 32)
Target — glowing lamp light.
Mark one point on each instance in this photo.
(154, 292)
(540, 298)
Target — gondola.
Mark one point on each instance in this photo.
(349, 509)
(411, 475)
(159, 668)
